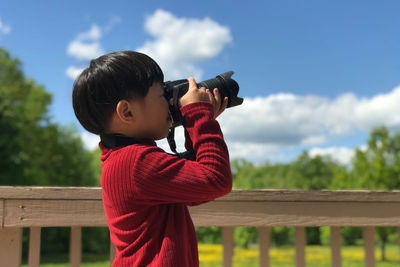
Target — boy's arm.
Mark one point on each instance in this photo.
(162, 178)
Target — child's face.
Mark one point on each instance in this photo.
(152, 115)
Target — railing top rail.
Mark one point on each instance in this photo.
(269, 195)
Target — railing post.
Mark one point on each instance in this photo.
(10, 246)
(34, 247)
(75, 250)
(300, 240)
(336, 247)
(369, 246)
(227, 242)
(264, 237)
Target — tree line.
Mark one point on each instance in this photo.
(34, 150)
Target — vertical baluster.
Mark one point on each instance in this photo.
(369, 246)
(264, 237)
(10, 247)
(75, 250)
(227, 242)
(336, 247)
(34, 247)
(398, 236)
(300, 239)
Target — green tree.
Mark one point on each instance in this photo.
(378, 168)
(313, 173)
(35, 151)
(23, 105)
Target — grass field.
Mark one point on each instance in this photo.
(211, 256)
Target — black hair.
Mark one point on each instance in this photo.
(108, 80)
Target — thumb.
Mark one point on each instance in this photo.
(192, 84)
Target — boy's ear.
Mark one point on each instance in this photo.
(125, 111)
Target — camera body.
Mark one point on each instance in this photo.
(225, 84)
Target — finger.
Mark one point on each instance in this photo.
(210, 96)
(225, 103)
(223, 106)
(217, 97)
(192, 84)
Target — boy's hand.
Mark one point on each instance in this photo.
(195, 94)
(216, 101)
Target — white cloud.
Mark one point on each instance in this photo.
(262, 128)
(90, 141)
(181, 42)
(290, 120)
(382, 108)
(73, 72)
(93, 34)
(85, 51)
(343, 155)
(87, 45)
(4, 28)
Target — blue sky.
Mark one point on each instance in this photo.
(316, 75)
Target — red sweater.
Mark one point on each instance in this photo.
(146, 192)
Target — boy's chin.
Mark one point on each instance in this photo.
(163, 136)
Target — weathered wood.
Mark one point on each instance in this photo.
(43, 207)
(227, 242)
(45, 213)
(75, 249)
(264, 237)
(113, 251)
(369, 246)
(78, 206)
(265, 213)
(336, 257)
(300, 243)
(10, 247)
(48, 192)
(94, 193)
(34, 247)
(313, 195)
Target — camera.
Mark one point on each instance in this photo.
(176, 89)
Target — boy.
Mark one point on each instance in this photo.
(145, 190)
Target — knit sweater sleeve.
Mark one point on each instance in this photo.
(163, 178)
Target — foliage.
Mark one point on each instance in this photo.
(378, 167)
(245, 236)
(209, 235)
(35, 151)
(22, 107)
(282, 236)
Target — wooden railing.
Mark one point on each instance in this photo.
(75, 207)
